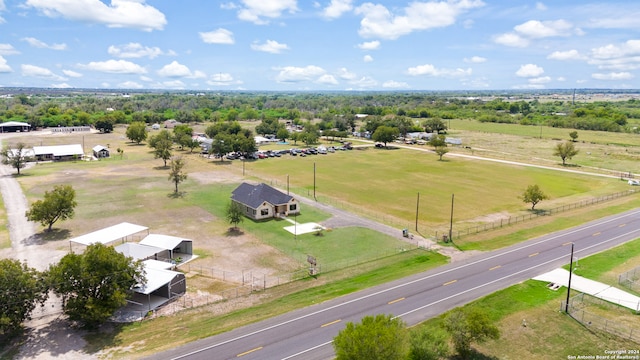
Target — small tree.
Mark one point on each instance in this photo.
(574, 136)
(23, 289)
(439, 145)
(104, 124)
(533, 195)
(57, 204)
(234, 214)
(282, 134)
(176, 175)
(375, 337)
(137, 132)
(17, 158)
(428, 344)
(385, 134)
(565, 150)
(467, 326)
(435, 125)
(94, 284)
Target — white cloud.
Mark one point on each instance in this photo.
(530, 86)
(345, 74)
(115, 67)
(299, 74)
(219, 36)
(37, 71)
(613, 76)
(119, 14)
(130, 85)
(370, 45)
(620, 57)
(175, 69)
(60, 86)
(364, 82)
(566, 55)
(135, 50)
(71, 73)
(228, 6)
(327, 80)
(223, 79)
(4, 67)
(8, 49)
(529, 70)
(367, 58)
(270, 46)
(478, 83)
(475, 60)
(336, 8)
(561, 79)
(174, 84)
(379, 22)
(430, 70)
(541, 29)
(42, 45)
(534, 29)
(511, 39)
(256, 10)
(541, 7)
(391, 84)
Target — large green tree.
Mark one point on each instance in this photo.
(137, 132)
(57, 204)
(428, 344)
(379, 337)
(94, 284)
(234, 214)
(176, 174)
(385, 134)
(565, 150)
(435, 125)
(17, 157)
(467, 326)
(104, 124)
(21, 288)
(533, 194)
(439, 145)
(162, 144)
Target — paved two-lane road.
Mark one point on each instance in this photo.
(307, 333)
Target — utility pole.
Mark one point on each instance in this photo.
(417, 208)
(451, 221)
(314, 182)
(566, 305)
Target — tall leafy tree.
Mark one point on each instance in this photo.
(17, 157)
(57, 204)
(439, 145)
(533, 194)
(162, 144)
(435, 125)
(22, 288)
(565, 150)
(385, 134)
(234, 214)
(94, 284)
(467, 326)
(379, 337)
(137, 132)
(177, 175)
(428, 344)
(105, 124)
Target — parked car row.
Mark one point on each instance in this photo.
(293, 152)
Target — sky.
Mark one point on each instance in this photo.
(320, 45)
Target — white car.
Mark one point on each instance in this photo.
(634, 182)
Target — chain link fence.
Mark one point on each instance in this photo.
(578, 306)
(630, 279)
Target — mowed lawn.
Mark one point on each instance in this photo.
(386, 183)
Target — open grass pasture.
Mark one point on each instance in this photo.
(597, 149)
(384, 184)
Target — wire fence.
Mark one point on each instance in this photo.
(630, 279)
(580, 302)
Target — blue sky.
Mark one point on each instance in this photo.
(330, 45)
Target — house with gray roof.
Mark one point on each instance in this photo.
(262, 201)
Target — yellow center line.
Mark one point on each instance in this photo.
(249, 352)
(621, 225)
(449, 283)
(395, 301)
(567, 243)
(534, 254)
(496, 267)
(331, 323)
(596, 234)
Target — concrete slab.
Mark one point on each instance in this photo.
(594, 288)
(305, 228)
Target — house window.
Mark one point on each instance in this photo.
(293, 207)
(264, 212)
(253, 211)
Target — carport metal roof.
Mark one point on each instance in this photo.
(109, 234)
(163, 241)
(156, 278)
(138, 251)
